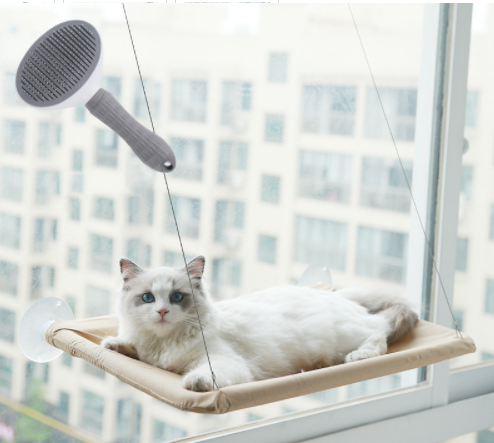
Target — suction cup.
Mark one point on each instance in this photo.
(34, 323)
(315, 274)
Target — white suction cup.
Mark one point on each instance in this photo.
(315, 274)
(34, 323)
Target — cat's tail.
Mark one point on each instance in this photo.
(396, 309)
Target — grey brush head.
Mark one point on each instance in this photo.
(58, 64)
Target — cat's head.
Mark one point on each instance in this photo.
(160, 300)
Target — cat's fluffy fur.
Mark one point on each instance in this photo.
(270, 333)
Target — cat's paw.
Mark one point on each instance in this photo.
(115, 344)
(360, 355)
(197, 382)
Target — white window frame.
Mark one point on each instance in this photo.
(447, 404)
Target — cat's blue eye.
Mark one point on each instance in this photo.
(148, 297)
(176, 297)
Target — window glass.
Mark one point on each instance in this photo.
(270, 189)
(9, 273)
(274, 128)
(11, 183)
(266, 251)
(92, 410)
(189, 100)
(13, 136)
(190, 154)
(106, 148)
(277, 69)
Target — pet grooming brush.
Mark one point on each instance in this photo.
(63, 68)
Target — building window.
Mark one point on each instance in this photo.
(75, 208)
(266, 251)
(270, 189)
(139, 252)
(77, 160)
(471, 110)
(47, 186)
(104, 208)
(381, 254)
(232, 163)
(325, 176)
(467, 181)
(106, 148)
(140, 208)
(6, 366)
(274, 128)
(113, 85)
(97, 302)
(489, 297)
(9, 275)
(63, 407)
(80, 114)
(486, 356)
(13, 136)
(166, 432)
(329, 109)
(10, 94)
(41, 277)
(383, 184)
(174, 259)
(11, 184)
(73, 258)
(101, 253)
(400, 106)
(153, 93)
(10, 231)
(321, 241)
(7, 325)
(461, 254)
(229, 219)
(236, 98)
(45, 231)
(93, 408)
(189, 100)
(129, 417)
(190, 157)
(188, 213)
(49, 135)
(67, 360)
(227, 272)
(278, 67)
(459, 315)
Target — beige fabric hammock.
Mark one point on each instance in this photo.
(427, 344)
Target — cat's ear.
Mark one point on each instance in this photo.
(196, 267)
(129, 269)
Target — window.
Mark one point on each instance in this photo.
(129, 417)
(266, 251)
(9, 275)
(462, 254)
(47, 186)
(189, 100)
(106, 148)
(11, 184)
(227, 272)
(471, 110)
(165, 432)
(459, 315)
(93, 370)
(229, 219)
(232, 163)
(63, 408)
(13, 136)
(278, 66)
(97, 302)
(103, 208)
(174, 259)
(10, 231)
(320, 241)
(6, 371)
(113, 85)
(93, 408)
(45, 231)
(138, 252)
(42, 279)
(190, 157)
(274, 128)
(383, 184)
(236, 98)
(71, 301)
(7, 325)
(153, 92)
(188, 213)
(400, 106)
(489, 297)
(467, 181)
(270, 189)
(73, 258)
(75, 208)
(491, 227)
(325, 176)
(140, 208)
(77, 160)
(10, 95)
(381, 254)
(101, 253)
(49, 135)
(329, 109)
(67, 360)
(80, 114)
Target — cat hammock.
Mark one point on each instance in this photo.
(75, 46)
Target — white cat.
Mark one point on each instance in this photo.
(270, 333)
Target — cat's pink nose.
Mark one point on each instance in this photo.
(162, 312)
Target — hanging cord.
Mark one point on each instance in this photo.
(213, 376)
(405, 175)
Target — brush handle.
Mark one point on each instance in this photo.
(149, 147)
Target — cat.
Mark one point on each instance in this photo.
(269, 333)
